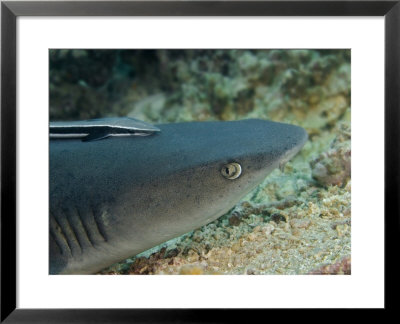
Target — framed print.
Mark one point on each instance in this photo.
(252, 144)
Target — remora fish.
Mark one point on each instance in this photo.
(95, 129)
(114, 198)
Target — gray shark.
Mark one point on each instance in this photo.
(113, 198)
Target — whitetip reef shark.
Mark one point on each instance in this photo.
(112, 198)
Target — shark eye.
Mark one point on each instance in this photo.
(231, 170)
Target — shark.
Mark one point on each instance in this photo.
(119, 186)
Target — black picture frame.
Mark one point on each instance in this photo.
(10, 10)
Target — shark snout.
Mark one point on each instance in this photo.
(295, 141)
(278, 144)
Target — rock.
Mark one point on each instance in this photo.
(333, 167)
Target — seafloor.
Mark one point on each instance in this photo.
(298, 221)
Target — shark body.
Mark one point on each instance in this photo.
(113, 198)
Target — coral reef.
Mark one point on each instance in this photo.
(201, 84)
(298, 221)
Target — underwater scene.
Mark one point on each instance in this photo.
(282, 208)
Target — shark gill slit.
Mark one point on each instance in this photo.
(59, 235)
(86, 229)
(99, 225)
(70, 234)
(75, 231)
(57, 243)
(78, 228)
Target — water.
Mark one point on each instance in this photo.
(299, 220)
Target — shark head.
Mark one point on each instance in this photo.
(197, 171)
(215, 164)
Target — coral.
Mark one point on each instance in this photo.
(234, 220)
(341, 267)
(334, 166)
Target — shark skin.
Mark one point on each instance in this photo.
(111, 199)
